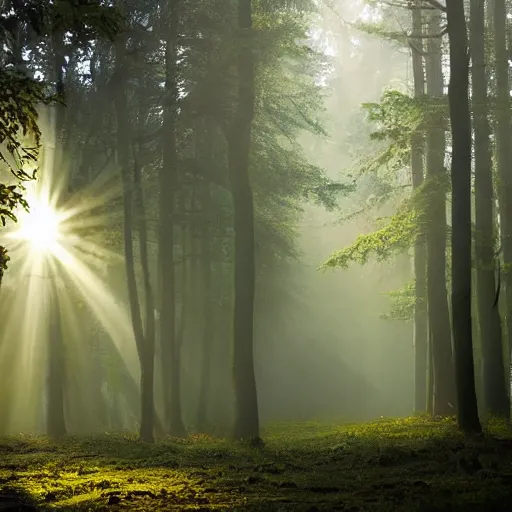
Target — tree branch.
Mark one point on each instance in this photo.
(436, 4)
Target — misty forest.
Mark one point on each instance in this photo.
(256, 255)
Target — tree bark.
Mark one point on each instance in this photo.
(185, 292)
(171, 365)
(208, 320)
(148, 363)
(55, 420)
(420, 256)
(430, 374)
(438, 313)
(146, 355)
(239, 145)
(496, 398)
(458, 95)
(504, 157)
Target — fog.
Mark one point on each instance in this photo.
(322, 348)
(254, 254)
(336, 357)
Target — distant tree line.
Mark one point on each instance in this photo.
(467, 124)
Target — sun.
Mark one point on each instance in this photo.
(40, 226)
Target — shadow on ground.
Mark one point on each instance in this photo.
(407, 465)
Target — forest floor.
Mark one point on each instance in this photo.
(405, 465)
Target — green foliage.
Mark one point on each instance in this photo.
(394, 238)
(20, 135)
(390, 124)
(82, 19)
(18, 123)
(88, 19)
(274, 6)
(392, 25)
(403, 302)
(289, 102)
(397, 117)
(20, 95)
(328, 192)
(18, 98)
(397, 235)
(378, 30)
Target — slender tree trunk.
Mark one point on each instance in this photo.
(430, 374)
(148, 400)
(185, 291)
(458, 95)
(420, 254)
(146, 358)
(55, 420)
(171, 364)
(438, 313)
(56, 423)
(208, 320)
(496, 399)
(504, 157)
(96, 378)
(239, 145)
(59, 175)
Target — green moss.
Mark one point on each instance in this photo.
(391, 464)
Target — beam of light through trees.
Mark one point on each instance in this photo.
(61, 245)
(40, 226)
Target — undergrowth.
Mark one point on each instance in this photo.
(413, 464)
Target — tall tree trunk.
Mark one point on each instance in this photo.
(148, 401)
(458, 95)
(96, 378)
(208, 327)
(56, 423)
(55, 420)
(438, 313)
(496, 398)
(420, 255)
(59, 175)
(185, 285)
(239, 145)
(504, 155)
(123, 151)
(430, 374)
(171, 364)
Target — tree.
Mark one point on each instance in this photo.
(103, 95)
(23, 25)
(458, 94)
(438, 313)
(19, 96)
(503, 154)
(239, 145)
(144, 340)
(171, 375)
(420, 264)
(496, 399)
(406, 122)
(207, 338)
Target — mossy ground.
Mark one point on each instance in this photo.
(408, 465)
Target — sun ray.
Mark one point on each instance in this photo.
(114, 319)
(94, 200)
(58, 247)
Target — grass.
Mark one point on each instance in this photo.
(414, 464)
